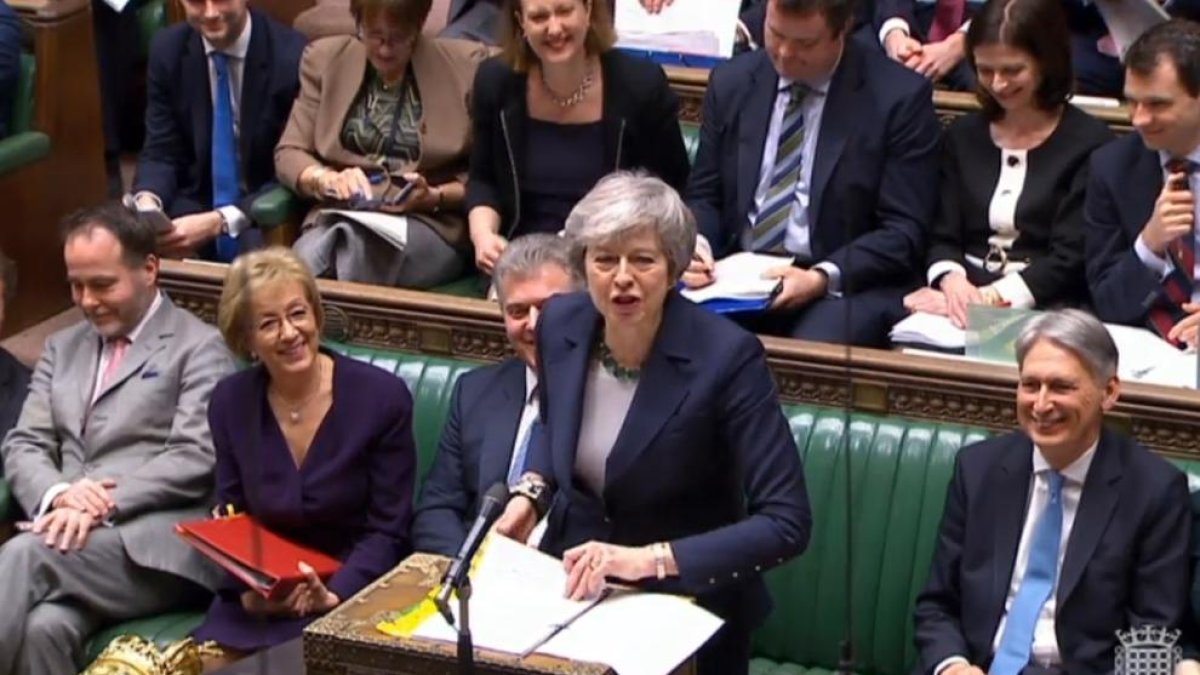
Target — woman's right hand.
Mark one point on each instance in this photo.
(488, 248)
(518, 520)
(256, 605)
(959, 293)
(344, 184)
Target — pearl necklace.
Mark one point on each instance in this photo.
(294, 409)
(575, 97)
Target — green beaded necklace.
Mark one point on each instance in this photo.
(615, 369)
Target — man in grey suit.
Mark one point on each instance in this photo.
(112, 449)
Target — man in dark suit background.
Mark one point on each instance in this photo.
(840, 171)
(494, 407)
(1058, 535)
(209, 148)
(10, 63)
(14, 376)
(1140, 207)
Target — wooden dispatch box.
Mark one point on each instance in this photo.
(347, 642)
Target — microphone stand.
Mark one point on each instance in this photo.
(466, 647)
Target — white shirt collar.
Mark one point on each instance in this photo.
(137, 330)
(530, 383)
(240, 46)
(1163, 157)
(1076, 472)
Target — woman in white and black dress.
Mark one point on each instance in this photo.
(1009, 231)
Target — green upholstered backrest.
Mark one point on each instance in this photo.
(899, 470)
(431, 380)
(691, 139)
(151, 18)
(22, 114)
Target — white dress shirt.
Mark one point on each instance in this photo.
(797, 239)
(1045, 640)
(235, 220)
(1162, 265)
(529, 415)
(106, 352)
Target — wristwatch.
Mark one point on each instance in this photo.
(535, 490)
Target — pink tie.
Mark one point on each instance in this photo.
(119, 346)
(948, 17)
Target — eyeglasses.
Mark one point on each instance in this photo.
(375, 40)
(271, 327)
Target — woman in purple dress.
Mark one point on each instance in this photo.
(317, 447)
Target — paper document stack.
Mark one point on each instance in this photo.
(1128, 19)
(1143, 356)
(518, 606)
(739, 284)
(695, 33)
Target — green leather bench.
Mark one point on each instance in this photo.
(900, 471)
(23, 145)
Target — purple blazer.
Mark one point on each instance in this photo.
(351, 497)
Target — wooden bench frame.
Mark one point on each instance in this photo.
(868, 380)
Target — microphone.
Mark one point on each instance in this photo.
(494, 501)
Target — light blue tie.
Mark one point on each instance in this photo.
(1040, 574)
(771, 221)
(518, 466)
(224, 153)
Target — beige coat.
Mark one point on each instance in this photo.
(331, 75)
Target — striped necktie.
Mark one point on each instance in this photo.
(770, 223)
(1179, 284)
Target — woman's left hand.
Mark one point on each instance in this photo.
(311, 596)
(588, 564)
(420, 199)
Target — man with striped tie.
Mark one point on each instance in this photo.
(824, 150)
(220, 88)
(493, 408)
(1140, 207)
(1056, 536)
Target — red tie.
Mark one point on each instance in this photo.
(119, 346)
(948, 17)
(1179, 284)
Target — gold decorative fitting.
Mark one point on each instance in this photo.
(135, 655)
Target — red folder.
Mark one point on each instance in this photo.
(267, 562)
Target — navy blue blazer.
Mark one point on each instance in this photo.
(10, 63)
(14, 386)
(1126, 563)
(473, 454)
(1124, 181)
(875, 173)
(705, 459)
(176, 160)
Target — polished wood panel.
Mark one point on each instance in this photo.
(37, 197)
(865, 380)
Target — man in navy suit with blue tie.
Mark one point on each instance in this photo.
(1056, 536)
(822, 149)
(219, 88)
(493, 408)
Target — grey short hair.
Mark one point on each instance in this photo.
(624, 202)
(1076, 331)
(525, 255)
